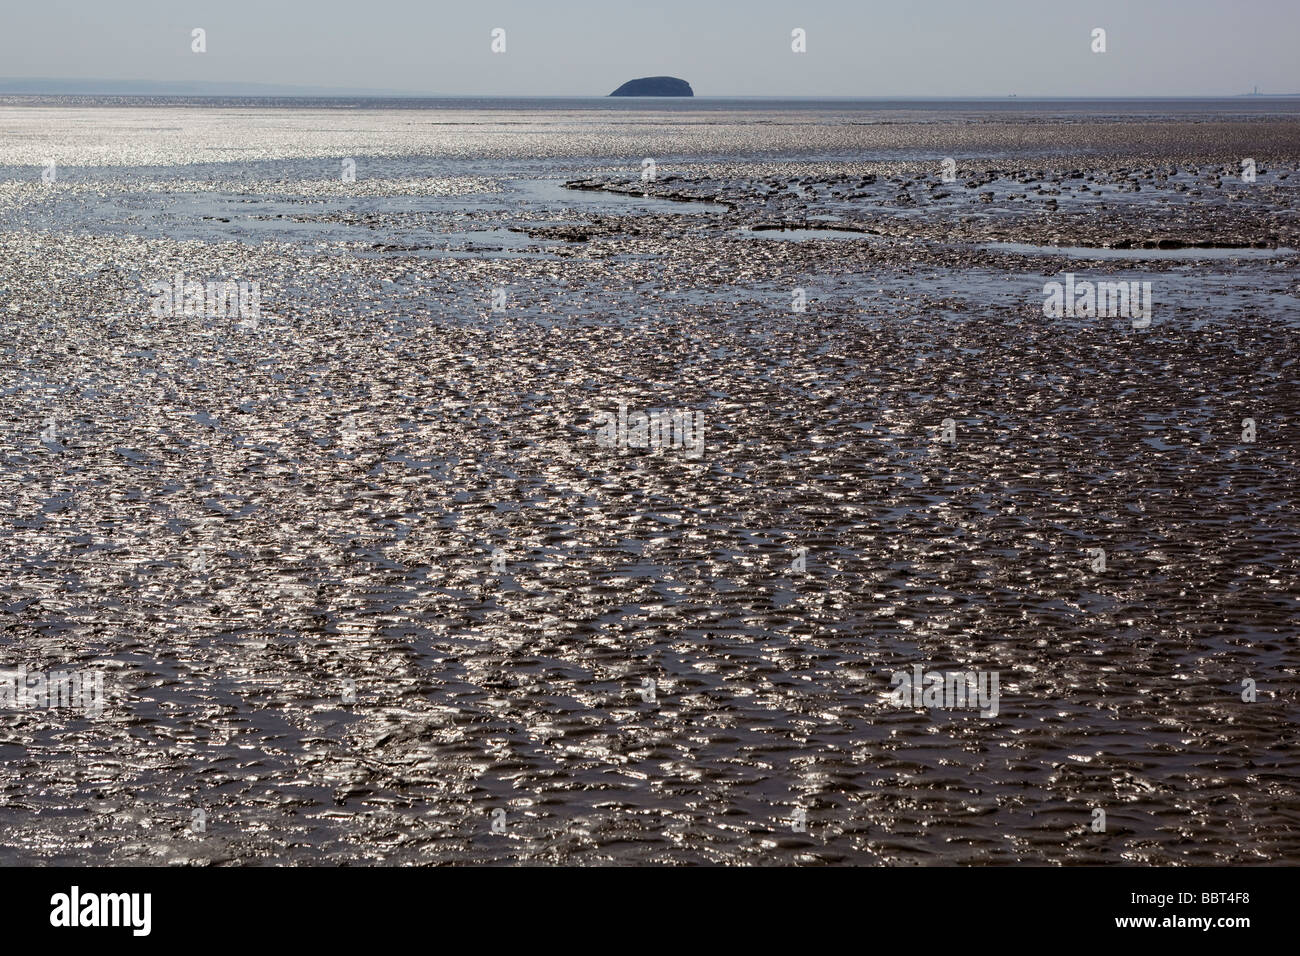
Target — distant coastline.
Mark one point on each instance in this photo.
(61, 86)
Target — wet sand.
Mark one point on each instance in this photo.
(350, 674)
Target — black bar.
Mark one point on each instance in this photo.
(332, 906)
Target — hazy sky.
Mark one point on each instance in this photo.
(737, 48)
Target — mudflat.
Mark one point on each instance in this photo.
(368, 577)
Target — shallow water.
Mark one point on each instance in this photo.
(1089, 252)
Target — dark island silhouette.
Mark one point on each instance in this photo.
(655, 86)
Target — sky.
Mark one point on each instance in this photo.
(865, 48)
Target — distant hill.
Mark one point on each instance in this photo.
(655, 86)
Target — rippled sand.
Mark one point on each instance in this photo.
(360, 575)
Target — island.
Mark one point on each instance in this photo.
(655, 86)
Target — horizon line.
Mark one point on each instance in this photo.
(260, 89)
(918, 97)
